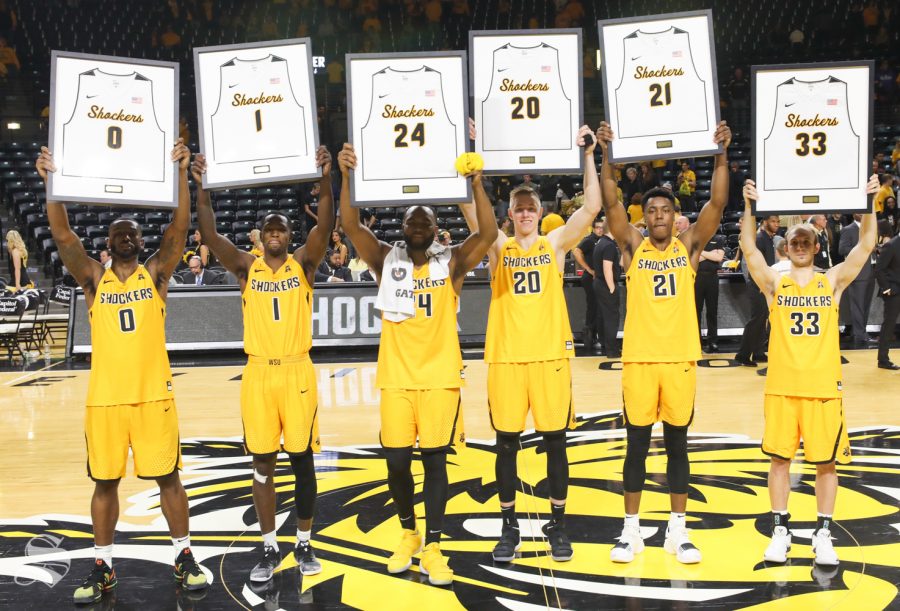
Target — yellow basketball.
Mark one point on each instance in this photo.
(469, 162)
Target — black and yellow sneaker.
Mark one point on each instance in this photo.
(188, 572)
(102, 579)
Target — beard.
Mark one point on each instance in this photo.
(418, 243)
(124, 254)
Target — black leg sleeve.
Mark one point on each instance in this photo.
(400, 482)
(557, 465)
(305, 487)
(678, 468)
(435, 493)
(635, 471)
(505, 466)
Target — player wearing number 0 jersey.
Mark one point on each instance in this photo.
(113, 131)
(279, 399)
(528, 347)
(803, 383)
(419, 362)
(130, 402)
(661, 341)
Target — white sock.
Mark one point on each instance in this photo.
(269, 540)
(677, 519)
(104, 553)
(303, 535)
(632, 519)
(181, 543)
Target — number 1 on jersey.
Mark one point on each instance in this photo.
(258, 115)
(276, 310)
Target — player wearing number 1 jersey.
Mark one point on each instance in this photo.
(278, 387)
(130, 402)
(661, 342)
(528, 347)
(803, 383)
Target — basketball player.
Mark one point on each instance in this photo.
(419, 360)
(661, 342)
(528, 347)
(130, 399)
(278, 387)
(803, 384)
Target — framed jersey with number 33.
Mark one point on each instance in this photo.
(113, 123)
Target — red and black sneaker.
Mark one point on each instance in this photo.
(188, 572)
(102, 579)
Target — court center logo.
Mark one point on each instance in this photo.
(357, 529)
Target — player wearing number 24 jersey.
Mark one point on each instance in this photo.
(528, 347)
(130, 402)
(803, 382)
(661, 342)
(279, 400)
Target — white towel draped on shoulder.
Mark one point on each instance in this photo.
(395, 289)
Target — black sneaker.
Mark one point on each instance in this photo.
(102, 579)
(188, 572)
(560, 546)
(508, 545)
(265, 568)
(306, 559)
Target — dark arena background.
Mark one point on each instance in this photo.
(46, 542)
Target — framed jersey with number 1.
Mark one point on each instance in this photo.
(659, 78)
(256, 107)
(113, 123)
(527, 99)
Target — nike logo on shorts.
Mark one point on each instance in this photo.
(303, 392)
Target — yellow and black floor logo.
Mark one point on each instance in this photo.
(43, 558)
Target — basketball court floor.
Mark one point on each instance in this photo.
(45, 532)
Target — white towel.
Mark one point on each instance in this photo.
(395, 289)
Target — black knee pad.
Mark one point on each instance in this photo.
(399, 460)
(635, 470)
(435, 465)
(678, 468)
(505, 466)
(557, 465)
(305, 486)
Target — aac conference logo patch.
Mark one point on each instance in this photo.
(43, 558)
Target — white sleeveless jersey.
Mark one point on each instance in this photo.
(660, 90)
(113, 131)
(811, 138)
(408, 133)
(526, 103)
(258, 116)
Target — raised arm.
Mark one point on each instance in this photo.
(85, 270)
(317, 241)
(764, 276)
(566, 237)
(470, 253)
(846, 272)
(699, 234)
(468, 211)
(626, 234)
(232, 258)
(163, 262)
(370, 249)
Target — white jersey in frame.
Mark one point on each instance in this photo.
(258, 116)
(811, 138)
(113, 131)
(526, 102)
(660, 89)
(408, 133)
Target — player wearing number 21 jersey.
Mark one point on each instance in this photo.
(803, 383)
(528, 347)
(279, 401)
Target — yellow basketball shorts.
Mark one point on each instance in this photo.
(279, 399)
(150, 429)
(544, 387)
(434, 416)
(655, 392)
(819, 422)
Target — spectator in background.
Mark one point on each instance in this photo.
(782, 263)
(885, 191)
(18, 261)
(822, 259)
(8, 20)
(170, 38)
(687, 185)
(887, 272)
(649, 179)
(738, 89)
(635, 209)
(796, 38)
(506, 226)
(682, 224)
(105, 259)
(332, 268)
(257, 249)
(605, 262)
(444, 238)
(891, 214)
(527, 181)
(196, 275)
(753, 341)
(552, 220)
(871, 16)
(630, 183)
(310, 201)
(583, 254)
(199, 249)
(859, 292)
(9, 59)
(706, 289)
(895, 154)
(336, 244)
(834, 228)
(735, 186)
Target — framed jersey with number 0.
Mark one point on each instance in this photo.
(659, 78)
(407, 122)
(812, 137)
(113, 123)
(527, 99)
(256, 107)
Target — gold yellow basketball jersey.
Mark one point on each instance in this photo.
(277, 310)
(804, 351)
(422, 352)
(528, 320)
(661, 320)
(129, 363)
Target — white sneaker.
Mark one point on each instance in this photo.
(779, 546)
(630, 543)
(678, 543)
(824, 549)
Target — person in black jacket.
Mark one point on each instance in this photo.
(752, 349)
(332, 269)
(583, 254)
(706, 289)
(860, 292)
(605, 261)
(887, 273)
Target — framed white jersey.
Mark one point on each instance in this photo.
(256, 110)
(112, 129)
(812, 137)
(407, 122)
(659, 75)
(527, 90)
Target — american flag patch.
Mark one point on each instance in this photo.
(676, 53)
(275, 81)
(832, 101)
(429, 93)
(545, 68)
(137, 100)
